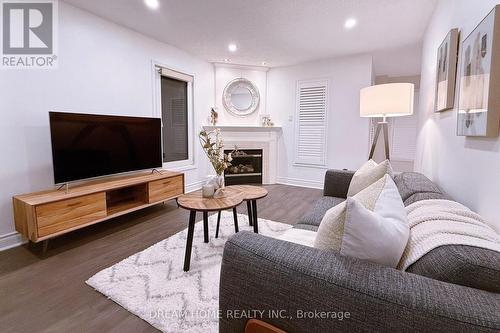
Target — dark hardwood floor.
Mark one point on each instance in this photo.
(50, 295)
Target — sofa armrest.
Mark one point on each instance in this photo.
(337, 183)
(303, 289)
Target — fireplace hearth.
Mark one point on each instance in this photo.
(246, 167)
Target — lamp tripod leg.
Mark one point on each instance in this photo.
(374, 143)
(386, 139)
(384, 126)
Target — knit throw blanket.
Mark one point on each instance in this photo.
(434, 223)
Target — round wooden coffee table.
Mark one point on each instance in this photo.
(251, 194)
(195, 202)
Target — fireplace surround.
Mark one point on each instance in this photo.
(254, 138)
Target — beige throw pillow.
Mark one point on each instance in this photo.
(372, 225)
(368, 174)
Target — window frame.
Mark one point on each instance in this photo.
(190, 162)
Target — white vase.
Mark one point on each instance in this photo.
(216, 180)
(220, 182)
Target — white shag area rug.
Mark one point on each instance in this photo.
(152, 284)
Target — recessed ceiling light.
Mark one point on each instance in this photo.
(232, 47)
(350, 23)
(263, 63)
(227, 60)
(153, 4)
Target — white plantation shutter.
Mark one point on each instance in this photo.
(311, 122)
(404, 138)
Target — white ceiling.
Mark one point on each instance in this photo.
(279, 32)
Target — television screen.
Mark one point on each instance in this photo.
(87, 145)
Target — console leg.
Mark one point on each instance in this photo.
(45, 246)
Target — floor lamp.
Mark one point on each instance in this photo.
(383, 101)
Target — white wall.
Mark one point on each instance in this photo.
(401, 61)
(347, 132)
(103, 68)
(401, 64)
(467, 168)
(225, 74)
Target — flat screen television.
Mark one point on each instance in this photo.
(87, 145)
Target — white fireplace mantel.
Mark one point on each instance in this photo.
(254, 137)
(243, 128)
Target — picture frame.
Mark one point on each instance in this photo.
(446, 69)
(479, 101)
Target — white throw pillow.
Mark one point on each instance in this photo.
(368, 174)
(372, 225)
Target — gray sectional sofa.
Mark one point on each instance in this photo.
(302, 289)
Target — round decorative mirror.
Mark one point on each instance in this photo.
(241, 97)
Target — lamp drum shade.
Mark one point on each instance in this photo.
(386, 100)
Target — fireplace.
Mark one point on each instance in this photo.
(246, 167)
(251, 138)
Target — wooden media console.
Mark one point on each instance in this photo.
(43, 215)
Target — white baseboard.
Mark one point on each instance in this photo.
(11, 240)
(194, 186)
(299, 182)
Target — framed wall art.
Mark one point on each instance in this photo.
(446, 70)
(479, 97)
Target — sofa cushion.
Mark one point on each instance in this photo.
(314, 216)
(410, 183)
(461, 264)
(337, 183)
(425, 196)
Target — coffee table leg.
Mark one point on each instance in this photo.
(255, 219)
(205, 227)
(235, 216)
(218, 224)
(249, 211)
(189, 243)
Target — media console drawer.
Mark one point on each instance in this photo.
(165, 188)
(64, 214)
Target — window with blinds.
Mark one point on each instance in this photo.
(174, 114)
(174, 104)
(311, 122)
